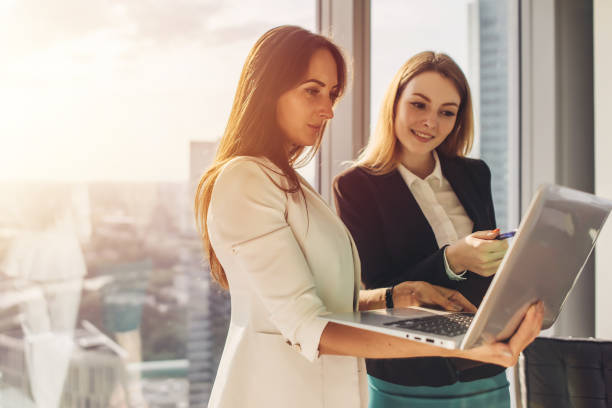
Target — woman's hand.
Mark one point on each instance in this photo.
(411, 293)
(507, 354)
(479, 252)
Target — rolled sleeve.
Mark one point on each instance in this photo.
(449, 272)
(247, 215)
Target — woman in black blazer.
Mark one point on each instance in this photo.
(419, 210)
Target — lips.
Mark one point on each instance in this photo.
(315, 128)
(421, 136)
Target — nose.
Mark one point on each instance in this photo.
(431, 120)
(326, 110)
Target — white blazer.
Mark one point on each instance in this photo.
(287, 262)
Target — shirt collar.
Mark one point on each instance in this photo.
(409, 177)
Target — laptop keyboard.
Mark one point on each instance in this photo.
(450, 325)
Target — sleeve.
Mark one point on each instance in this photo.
(449, 272)
(356, 204)
(246, 217)
(484, 174)
(358, 212)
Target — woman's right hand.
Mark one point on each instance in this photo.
(417, 293)
(506, 354)
(479, 252)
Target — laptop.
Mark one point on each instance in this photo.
(551, 247)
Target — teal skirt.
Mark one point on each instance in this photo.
(490, 392)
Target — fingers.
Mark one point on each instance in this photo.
(495, 353)
(486, 257)
(529, 328)
(480, 243)
(488, 234)
(487, 269)
(431, 295)
(463, 302)
(446, 303)
(457, 298)
(493, 247)
(507, 354)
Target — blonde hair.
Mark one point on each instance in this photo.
(275, 64)
(381, 154)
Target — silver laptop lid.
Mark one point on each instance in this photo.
(553, 243)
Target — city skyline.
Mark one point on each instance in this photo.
(116, 92)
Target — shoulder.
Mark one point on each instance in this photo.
(247, 176)
(249, 166)
(352, 174)
(476, 167)
(352, 181)
(244, 172)
(358, 177)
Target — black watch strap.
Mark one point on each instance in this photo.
(389, 297)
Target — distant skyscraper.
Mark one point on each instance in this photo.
(92, 377)
(494, 78)
(209, 306)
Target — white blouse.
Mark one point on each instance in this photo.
(440, 206)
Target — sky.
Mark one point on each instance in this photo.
(115, 90)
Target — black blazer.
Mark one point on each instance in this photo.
(396, 244)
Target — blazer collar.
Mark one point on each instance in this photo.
(464, 186)
(398, 188)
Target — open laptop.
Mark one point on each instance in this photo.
(548, 252)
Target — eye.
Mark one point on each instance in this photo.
(312, 91)
(418, 105)
(449, 114)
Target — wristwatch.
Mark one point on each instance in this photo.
(389, 297)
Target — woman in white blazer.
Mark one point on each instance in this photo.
(285, 256)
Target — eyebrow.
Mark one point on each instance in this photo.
(429, 100)
(316, 81)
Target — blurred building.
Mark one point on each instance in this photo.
(93, 375)
(208, 307)
(494, 101)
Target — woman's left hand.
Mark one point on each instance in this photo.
(507, 353)
(418, 293)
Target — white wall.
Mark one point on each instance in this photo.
(602, 27)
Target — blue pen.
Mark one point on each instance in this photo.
(506, 235)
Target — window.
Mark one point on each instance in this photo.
(479, 36)
(110, 112)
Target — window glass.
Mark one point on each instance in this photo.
(475, 34)
(110, 113)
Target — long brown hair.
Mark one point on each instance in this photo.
(275, 64)
(381, 155)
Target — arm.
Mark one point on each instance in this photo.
(430, 269)
(249, 232)
(344, 340)
(246, 219)
(485, 187)
(350, 341)
(410, 293)
(479, 252)
(356, 204)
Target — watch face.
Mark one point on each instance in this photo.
(389, 298)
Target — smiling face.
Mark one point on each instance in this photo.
(302, 111)
(425, 115)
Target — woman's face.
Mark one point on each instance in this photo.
(302, 111)
(426, 113)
